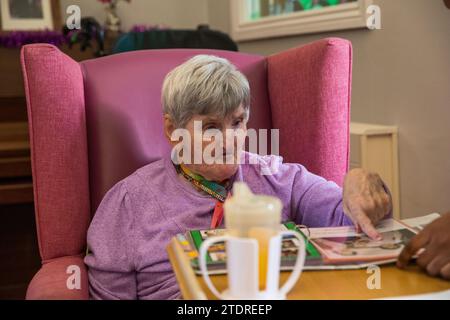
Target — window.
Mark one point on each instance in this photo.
(254, 19)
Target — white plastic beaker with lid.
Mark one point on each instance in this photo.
(253, 247)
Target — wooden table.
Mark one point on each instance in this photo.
(341, 284)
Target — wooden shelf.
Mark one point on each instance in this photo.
(14, 131)
(15, 164)
(14, 140)
(13, 109)
(15, 167)
(15, 193)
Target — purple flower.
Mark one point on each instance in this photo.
(143, 28)
(17, 39)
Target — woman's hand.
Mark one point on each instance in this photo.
(435, 239)
(365, 201)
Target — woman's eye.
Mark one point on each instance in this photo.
(237, 123)
(210, 126)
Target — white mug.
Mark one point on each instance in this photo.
(243, 267)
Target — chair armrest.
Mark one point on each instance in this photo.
(309, 89)
(51, 281)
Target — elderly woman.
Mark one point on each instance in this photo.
(139, 215)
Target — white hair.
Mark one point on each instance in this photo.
(204, 85)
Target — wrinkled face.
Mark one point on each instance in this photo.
(207, 149)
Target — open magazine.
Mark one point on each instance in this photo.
(343, 245)
(326, 248)
(216, 259)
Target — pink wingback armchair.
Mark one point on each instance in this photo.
(94, 123)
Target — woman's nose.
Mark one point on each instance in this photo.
(229, 140)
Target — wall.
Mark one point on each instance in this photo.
(174, 13)
(401, 77)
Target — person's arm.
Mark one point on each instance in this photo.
(316, 202)
(110, 260)
(435, 240)
(363, 201)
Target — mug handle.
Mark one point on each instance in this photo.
(203, 266)
(299, 263)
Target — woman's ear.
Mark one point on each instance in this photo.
(169, 127)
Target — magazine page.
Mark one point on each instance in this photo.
(383, 226)
(345, 245)
(420, 222)
(217, 253)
